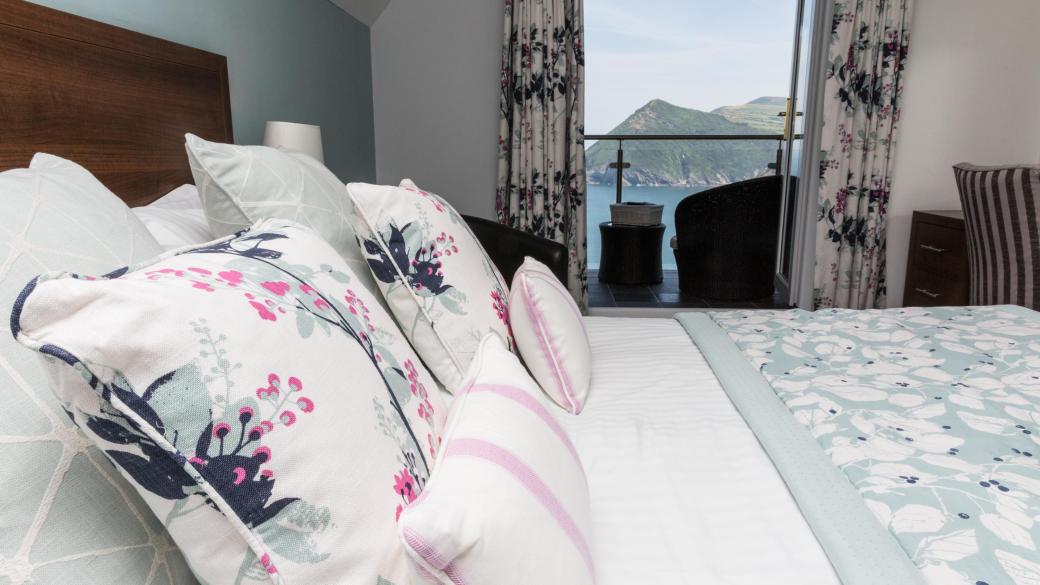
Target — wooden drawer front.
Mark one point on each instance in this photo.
(940, 250)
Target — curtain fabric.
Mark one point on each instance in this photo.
(541, 171)
(868, 49)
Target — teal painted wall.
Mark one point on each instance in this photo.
(293, 60)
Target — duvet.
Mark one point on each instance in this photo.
(910, 438)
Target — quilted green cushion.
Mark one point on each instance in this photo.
(66, 515)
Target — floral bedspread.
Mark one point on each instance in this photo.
(932, 414)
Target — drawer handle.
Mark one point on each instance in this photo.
(933, 249)
(928, 293)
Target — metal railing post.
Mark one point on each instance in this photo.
(620, 170)
(620, 165)
(779, 156)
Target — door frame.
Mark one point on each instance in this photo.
(803, 260)
(782, 280)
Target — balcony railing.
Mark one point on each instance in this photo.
(762, 162)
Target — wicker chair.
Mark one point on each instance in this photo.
(1001, 214)
(726, 238)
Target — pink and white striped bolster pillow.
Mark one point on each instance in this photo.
(507, 502)
(549, 331)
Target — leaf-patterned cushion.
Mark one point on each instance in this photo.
(264, 406)
(436, 277)
(57, 216)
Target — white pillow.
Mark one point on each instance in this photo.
(263, 405)
(240, 185)
(508, 501)
(436, 277)
(550, 335)
(185, 197)
(176, 219)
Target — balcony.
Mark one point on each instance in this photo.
(665, 169)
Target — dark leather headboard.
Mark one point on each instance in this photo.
(115, 101)
(508, 247)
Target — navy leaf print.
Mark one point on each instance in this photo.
(158, 473)
(112, 431)
(387, 268)
(237, 478)
(258, 252)
(202, 445)
(398, 249)
(382, 269)
(371, 247)
(138, 405)
(117, 273)
(264, 237)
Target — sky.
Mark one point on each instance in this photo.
(698, 54)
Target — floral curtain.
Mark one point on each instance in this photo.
(868, 49)
(541, 169)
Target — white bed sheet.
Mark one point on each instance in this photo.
(681, 490)
(176, 219)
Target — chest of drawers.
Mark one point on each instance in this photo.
(937, 263)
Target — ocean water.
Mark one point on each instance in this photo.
(597, 210)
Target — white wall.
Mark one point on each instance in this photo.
(435, 82)
(972, 94)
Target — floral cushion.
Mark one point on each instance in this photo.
(265, 407)
(550, 334)
(436, 277)
(508, 502)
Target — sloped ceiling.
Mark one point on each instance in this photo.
(367, 11)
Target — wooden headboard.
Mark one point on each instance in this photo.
(115, 101)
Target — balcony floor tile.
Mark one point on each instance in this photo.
(663, 295)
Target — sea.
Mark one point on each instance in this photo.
(598, 210)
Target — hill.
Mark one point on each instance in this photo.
(688, 162)
(760, 113)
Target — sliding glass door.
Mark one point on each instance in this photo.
(793, 146)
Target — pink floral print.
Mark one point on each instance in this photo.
(357, 307)
(418, 389)
(404, 485)
(429, 197)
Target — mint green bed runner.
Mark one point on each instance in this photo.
(906, 436)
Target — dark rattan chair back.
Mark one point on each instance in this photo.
(727, 240)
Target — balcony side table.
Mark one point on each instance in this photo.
(630, 254)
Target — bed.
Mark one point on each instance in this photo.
(717, 448)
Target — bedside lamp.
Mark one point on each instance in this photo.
(294, 137)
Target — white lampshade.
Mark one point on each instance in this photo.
(294, 137)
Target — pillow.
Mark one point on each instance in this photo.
(550, 335)
(263, 405)
(57, 216)
(436, 277)
(176, 219)
(508, 501)
(185, 197)
(241, 185)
